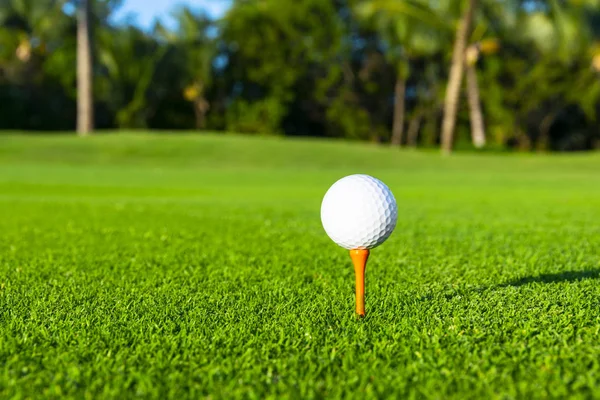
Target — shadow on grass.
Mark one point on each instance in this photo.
(567, 276)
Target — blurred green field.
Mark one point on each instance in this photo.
(195, 266)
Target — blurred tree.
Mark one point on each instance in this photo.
(85, 96)
(27, 26)
(271, 47)
(261, 45)
(196, 49)
(32, 32)
(479, 47)
(409, 30)
(562, 44)
(456, 75)
(358, 69)
(130, 59)
(476, 114)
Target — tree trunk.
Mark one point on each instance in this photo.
(476, 115)
(85, 102)
(455, 78)
(399, 110)
(543, 140)
(413, 130)
(201, 107)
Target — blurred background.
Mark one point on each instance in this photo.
(495, 74)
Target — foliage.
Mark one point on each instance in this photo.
(311, 68)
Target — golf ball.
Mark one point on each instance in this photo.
(359, 212)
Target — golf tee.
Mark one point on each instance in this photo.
(359, 259)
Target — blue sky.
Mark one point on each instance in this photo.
(144, 12)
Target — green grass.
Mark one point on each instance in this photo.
(139, 266)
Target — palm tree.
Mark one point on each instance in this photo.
(455, 78)
(26, 29)
(128, 80)
(409, 29)
(562, 42)
(399, 108)
(85, 101)
(476, 115)
(198, 47)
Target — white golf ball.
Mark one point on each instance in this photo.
(359, 212)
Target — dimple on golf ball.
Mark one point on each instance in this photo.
(359, 212)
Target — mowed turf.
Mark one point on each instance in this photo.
(195, 266)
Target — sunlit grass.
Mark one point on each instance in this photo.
(188, 266)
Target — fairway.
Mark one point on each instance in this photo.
(196, 266)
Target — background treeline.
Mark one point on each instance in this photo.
(495, 73)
